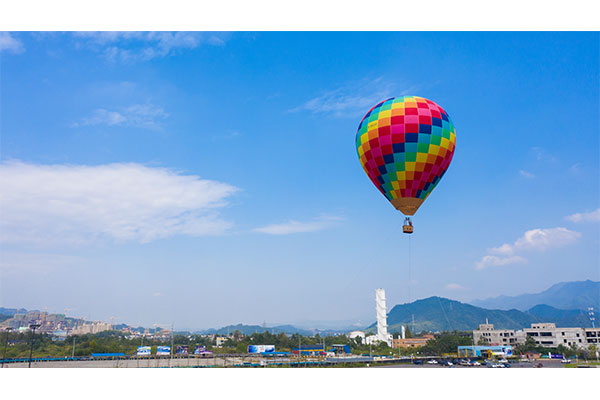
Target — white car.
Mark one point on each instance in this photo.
(476, 364)
(432, 362)
(565, 361)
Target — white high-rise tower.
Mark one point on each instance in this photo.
(382, 333)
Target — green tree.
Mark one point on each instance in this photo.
(445, 343)
(528, 346)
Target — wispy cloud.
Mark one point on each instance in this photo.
(496, 261)
(454, 286)
(542, 154)
(145, 46)
(77, 204)
(592, 216)
(526, 174)
(292, 226)
(352, 99)
(138, 116)
(575, 168)
(537, 240)
(10, 44)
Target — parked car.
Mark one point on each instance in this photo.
(418, 362)
(475, 363)
(432, 362)
(565, 361)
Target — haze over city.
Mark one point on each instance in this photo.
(207, 179)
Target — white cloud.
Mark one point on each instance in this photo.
(77, 204)
(454, 286)
(353, 99)
(290, 227)
(545, 239)
(592, 216)
(526, 174)
(495, 261)
(144, 46)
(137, 116)
(537, 240)
(10, 44)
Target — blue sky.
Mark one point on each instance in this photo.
(211, 178)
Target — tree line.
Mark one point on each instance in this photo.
(17, 345)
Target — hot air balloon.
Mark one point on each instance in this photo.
(405, 145)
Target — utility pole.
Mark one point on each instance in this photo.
(172, 333)
(299, 349)
(33, 327)
(6, 346)
(73, 355)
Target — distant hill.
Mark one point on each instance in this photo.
(441, 314)
(562, 318)
(12, 311)
(566, 295)
(250, 329)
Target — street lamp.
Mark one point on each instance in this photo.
(5, 347)
(33, 327)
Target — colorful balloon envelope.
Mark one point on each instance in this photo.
(405, 145)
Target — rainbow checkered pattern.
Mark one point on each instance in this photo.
(405, 145)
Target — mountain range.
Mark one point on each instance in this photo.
(250, 329)
(441, 314)
(565, 295)
(565, 304)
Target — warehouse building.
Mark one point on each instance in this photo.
(484, 351)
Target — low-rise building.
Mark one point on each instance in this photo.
(357, 334)
(548, 335)
(592, 336)
(486, 334)
(485, 351)
(545, 334)
(376, 340)
(411, 342)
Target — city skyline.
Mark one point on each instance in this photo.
(208, 179)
